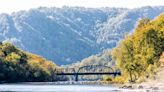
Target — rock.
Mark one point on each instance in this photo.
(155, 88)
(148, 91)
(140, 87)
(123, 86)
(127, 87)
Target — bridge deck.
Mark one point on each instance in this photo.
(88, 73)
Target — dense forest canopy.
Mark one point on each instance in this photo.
(17, 65)
(138, 54)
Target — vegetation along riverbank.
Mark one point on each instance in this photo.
(139, 55)
(19, 66)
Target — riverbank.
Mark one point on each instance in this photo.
(153, 84)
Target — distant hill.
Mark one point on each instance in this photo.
(103, 58)
(69, 34)
(19, 66)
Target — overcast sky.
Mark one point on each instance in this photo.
(8, 6)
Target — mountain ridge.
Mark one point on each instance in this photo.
(66, 35)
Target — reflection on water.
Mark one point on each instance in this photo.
(59, 88)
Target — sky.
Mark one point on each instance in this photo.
(9, 6)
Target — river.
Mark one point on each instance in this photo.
(24, 87)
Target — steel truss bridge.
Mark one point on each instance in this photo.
(89, 70)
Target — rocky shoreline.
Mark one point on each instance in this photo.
(156, 84)
(144, 87)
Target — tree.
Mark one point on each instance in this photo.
(139, 52)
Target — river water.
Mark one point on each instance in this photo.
(60, 88)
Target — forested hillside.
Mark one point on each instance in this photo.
(17, 66)
(69, 34)
(137, 55)
(103, 58)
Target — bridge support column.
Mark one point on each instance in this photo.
(76, 77)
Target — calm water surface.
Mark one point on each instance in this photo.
(60, 88)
